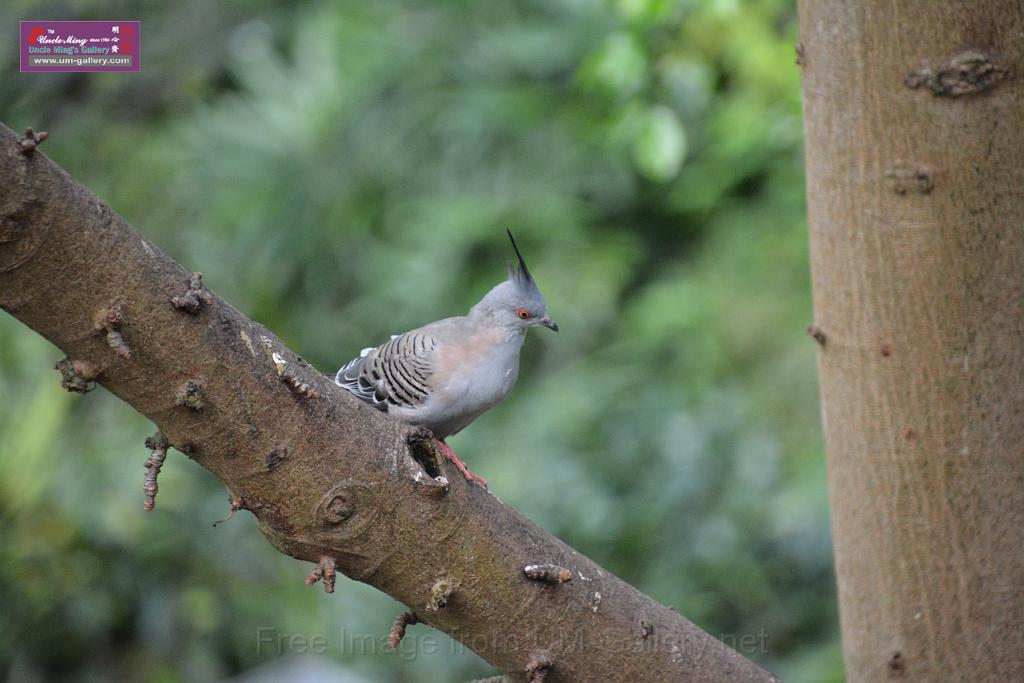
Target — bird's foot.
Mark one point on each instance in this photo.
(461, 465)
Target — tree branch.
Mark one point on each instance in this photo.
(329, 479)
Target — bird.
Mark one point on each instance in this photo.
(446, 374)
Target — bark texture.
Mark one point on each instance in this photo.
(330, 480)
(914, 117)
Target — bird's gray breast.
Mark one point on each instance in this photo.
(468, 382)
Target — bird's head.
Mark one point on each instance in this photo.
(516, 303)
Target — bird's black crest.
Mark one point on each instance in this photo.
(520, 275)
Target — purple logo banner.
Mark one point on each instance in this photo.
(79, 46)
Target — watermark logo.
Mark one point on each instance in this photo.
(79, 46)
(270, 641)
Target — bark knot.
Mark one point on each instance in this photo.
(646, 629)
(547, 573)
(817, 334)
(441, 593)
(190, 395)
(276, 456)
(904, 177)
(968, 73)
(538, 667)
(194, 297)
(77, 376)
(896, 665)
(295, 383)
(108, 320)
(347, 510)
(32, 140)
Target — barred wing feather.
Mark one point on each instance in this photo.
(397, 373)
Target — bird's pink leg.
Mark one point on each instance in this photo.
(461, 465)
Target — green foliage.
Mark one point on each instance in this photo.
(344, 171)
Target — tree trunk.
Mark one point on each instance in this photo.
(915, 181)
(329, 479)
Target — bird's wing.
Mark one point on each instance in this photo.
(397, 373)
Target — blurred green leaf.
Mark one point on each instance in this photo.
(660, 147)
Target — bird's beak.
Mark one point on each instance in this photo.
(548, 323)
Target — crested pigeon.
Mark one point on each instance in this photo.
(446, 374)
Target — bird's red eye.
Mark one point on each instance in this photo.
(522, 313)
